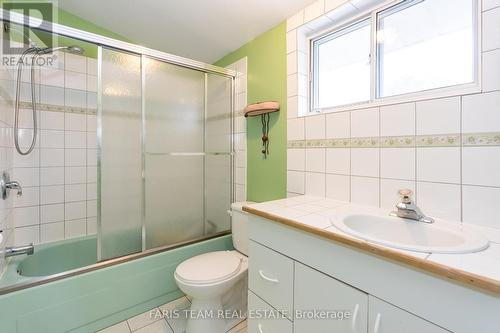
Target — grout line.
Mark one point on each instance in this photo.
(350, 160)
(64, 151)
(461, 162)
(128, 325)
(379, 158)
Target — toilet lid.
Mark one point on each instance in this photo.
(210, 267)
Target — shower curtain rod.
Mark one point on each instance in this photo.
(85, 36)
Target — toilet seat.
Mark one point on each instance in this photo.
(209, 268)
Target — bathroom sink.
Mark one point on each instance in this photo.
(405, 234)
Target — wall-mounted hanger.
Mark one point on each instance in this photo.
(263, 109)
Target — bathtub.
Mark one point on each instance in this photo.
(62, 287)
(51, 259)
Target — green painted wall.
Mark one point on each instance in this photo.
(266, 178)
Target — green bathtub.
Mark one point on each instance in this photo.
(91, 300)
(50, 259)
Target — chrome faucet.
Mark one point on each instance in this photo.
(18, 250)
(408, 210)
(6, 185)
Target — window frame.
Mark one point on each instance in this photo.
(344, 30)
(375, 100)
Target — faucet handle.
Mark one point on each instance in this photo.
(405, 194)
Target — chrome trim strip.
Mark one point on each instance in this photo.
(204, 185)
(66, 31)
(143, 152)
(107, 263)
(232, 144)
(99, 152)
(191, 154)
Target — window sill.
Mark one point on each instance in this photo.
(467, 89)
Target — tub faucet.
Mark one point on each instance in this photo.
(18, 250)
(408, 210)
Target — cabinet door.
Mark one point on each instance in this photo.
(270, 276)
(386, 318)
(315, 291)
(265, 319)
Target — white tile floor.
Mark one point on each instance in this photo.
(148, 322)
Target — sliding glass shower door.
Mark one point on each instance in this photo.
(174, 131)
(120, 169)
(218, 147)
(165, 153)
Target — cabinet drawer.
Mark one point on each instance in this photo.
(270, 276)
(261, 317)
(345, 307)
(386, 318)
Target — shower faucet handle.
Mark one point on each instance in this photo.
(13, 185)
(6, 185)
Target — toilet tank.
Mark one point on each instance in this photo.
(240, 226)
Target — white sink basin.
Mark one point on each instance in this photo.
(439, 237)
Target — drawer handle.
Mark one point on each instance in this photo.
(376, 327)
(267, 278)
(260, 328)
(354, 318)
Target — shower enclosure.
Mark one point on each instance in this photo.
(164, 139)
(165, 153)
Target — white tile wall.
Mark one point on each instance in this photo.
(59, 179)
(453, 156)
(240, 168)
(7, 208)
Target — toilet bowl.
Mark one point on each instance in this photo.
(207, 277)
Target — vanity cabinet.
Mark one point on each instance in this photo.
(315, 291)
(408, 298)
(271, 277)
(265, 318)
(386, 318)
(287, 296)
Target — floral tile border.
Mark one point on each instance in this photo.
(58, 108)
(296, 144)
(397, 141)
(439, 140)
(444, 140)
(365, 142)
(481, 139)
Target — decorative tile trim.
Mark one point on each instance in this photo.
(365, 142)
(296, 144)
(441, 140)
(481, 139)
(320, 143)
(438, 140)
(338, 143)
(58, 108)
(397, 141)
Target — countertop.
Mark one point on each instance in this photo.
(313, 215)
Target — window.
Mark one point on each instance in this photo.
(419, 48)
(343, 66)
(421, 45)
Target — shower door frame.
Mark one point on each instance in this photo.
(143, 59)
(102, 41)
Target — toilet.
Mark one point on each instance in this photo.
(207, 277)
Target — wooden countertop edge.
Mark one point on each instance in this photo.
(454, 274)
